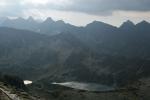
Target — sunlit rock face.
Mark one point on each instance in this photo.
(27, 82)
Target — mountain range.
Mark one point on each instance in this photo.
(54, 51)
(40, 27)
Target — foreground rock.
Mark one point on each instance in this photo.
(10, 93)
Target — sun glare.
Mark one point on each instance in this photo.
(46, 2)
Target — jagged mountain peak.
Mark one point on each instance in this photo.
(96, 23)
(60, 22)
(30, 19)
(143, 23)
(49, 19)
(127, 24)
(20, 19)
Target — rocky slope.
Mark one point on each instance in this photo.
(8, 92)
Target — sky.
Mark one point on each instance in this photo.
(78, 12)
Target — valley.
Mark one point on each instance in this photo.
(111, 58)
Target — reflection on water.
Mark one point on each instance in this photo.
(85, 86)
(27, 82)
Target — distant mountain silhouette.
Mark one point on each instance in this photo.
(20, 23)
(48, 26)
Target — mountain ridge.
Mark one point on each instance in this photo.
(51, 27)
(98, 52)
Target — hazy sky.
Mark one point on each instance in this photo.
(79, 12)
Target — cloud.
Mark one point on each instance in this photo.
(94, 7)
(106, 7)
(10, 8)
(110, 11)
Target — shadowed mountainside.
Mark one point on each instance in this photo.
(97, 52)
